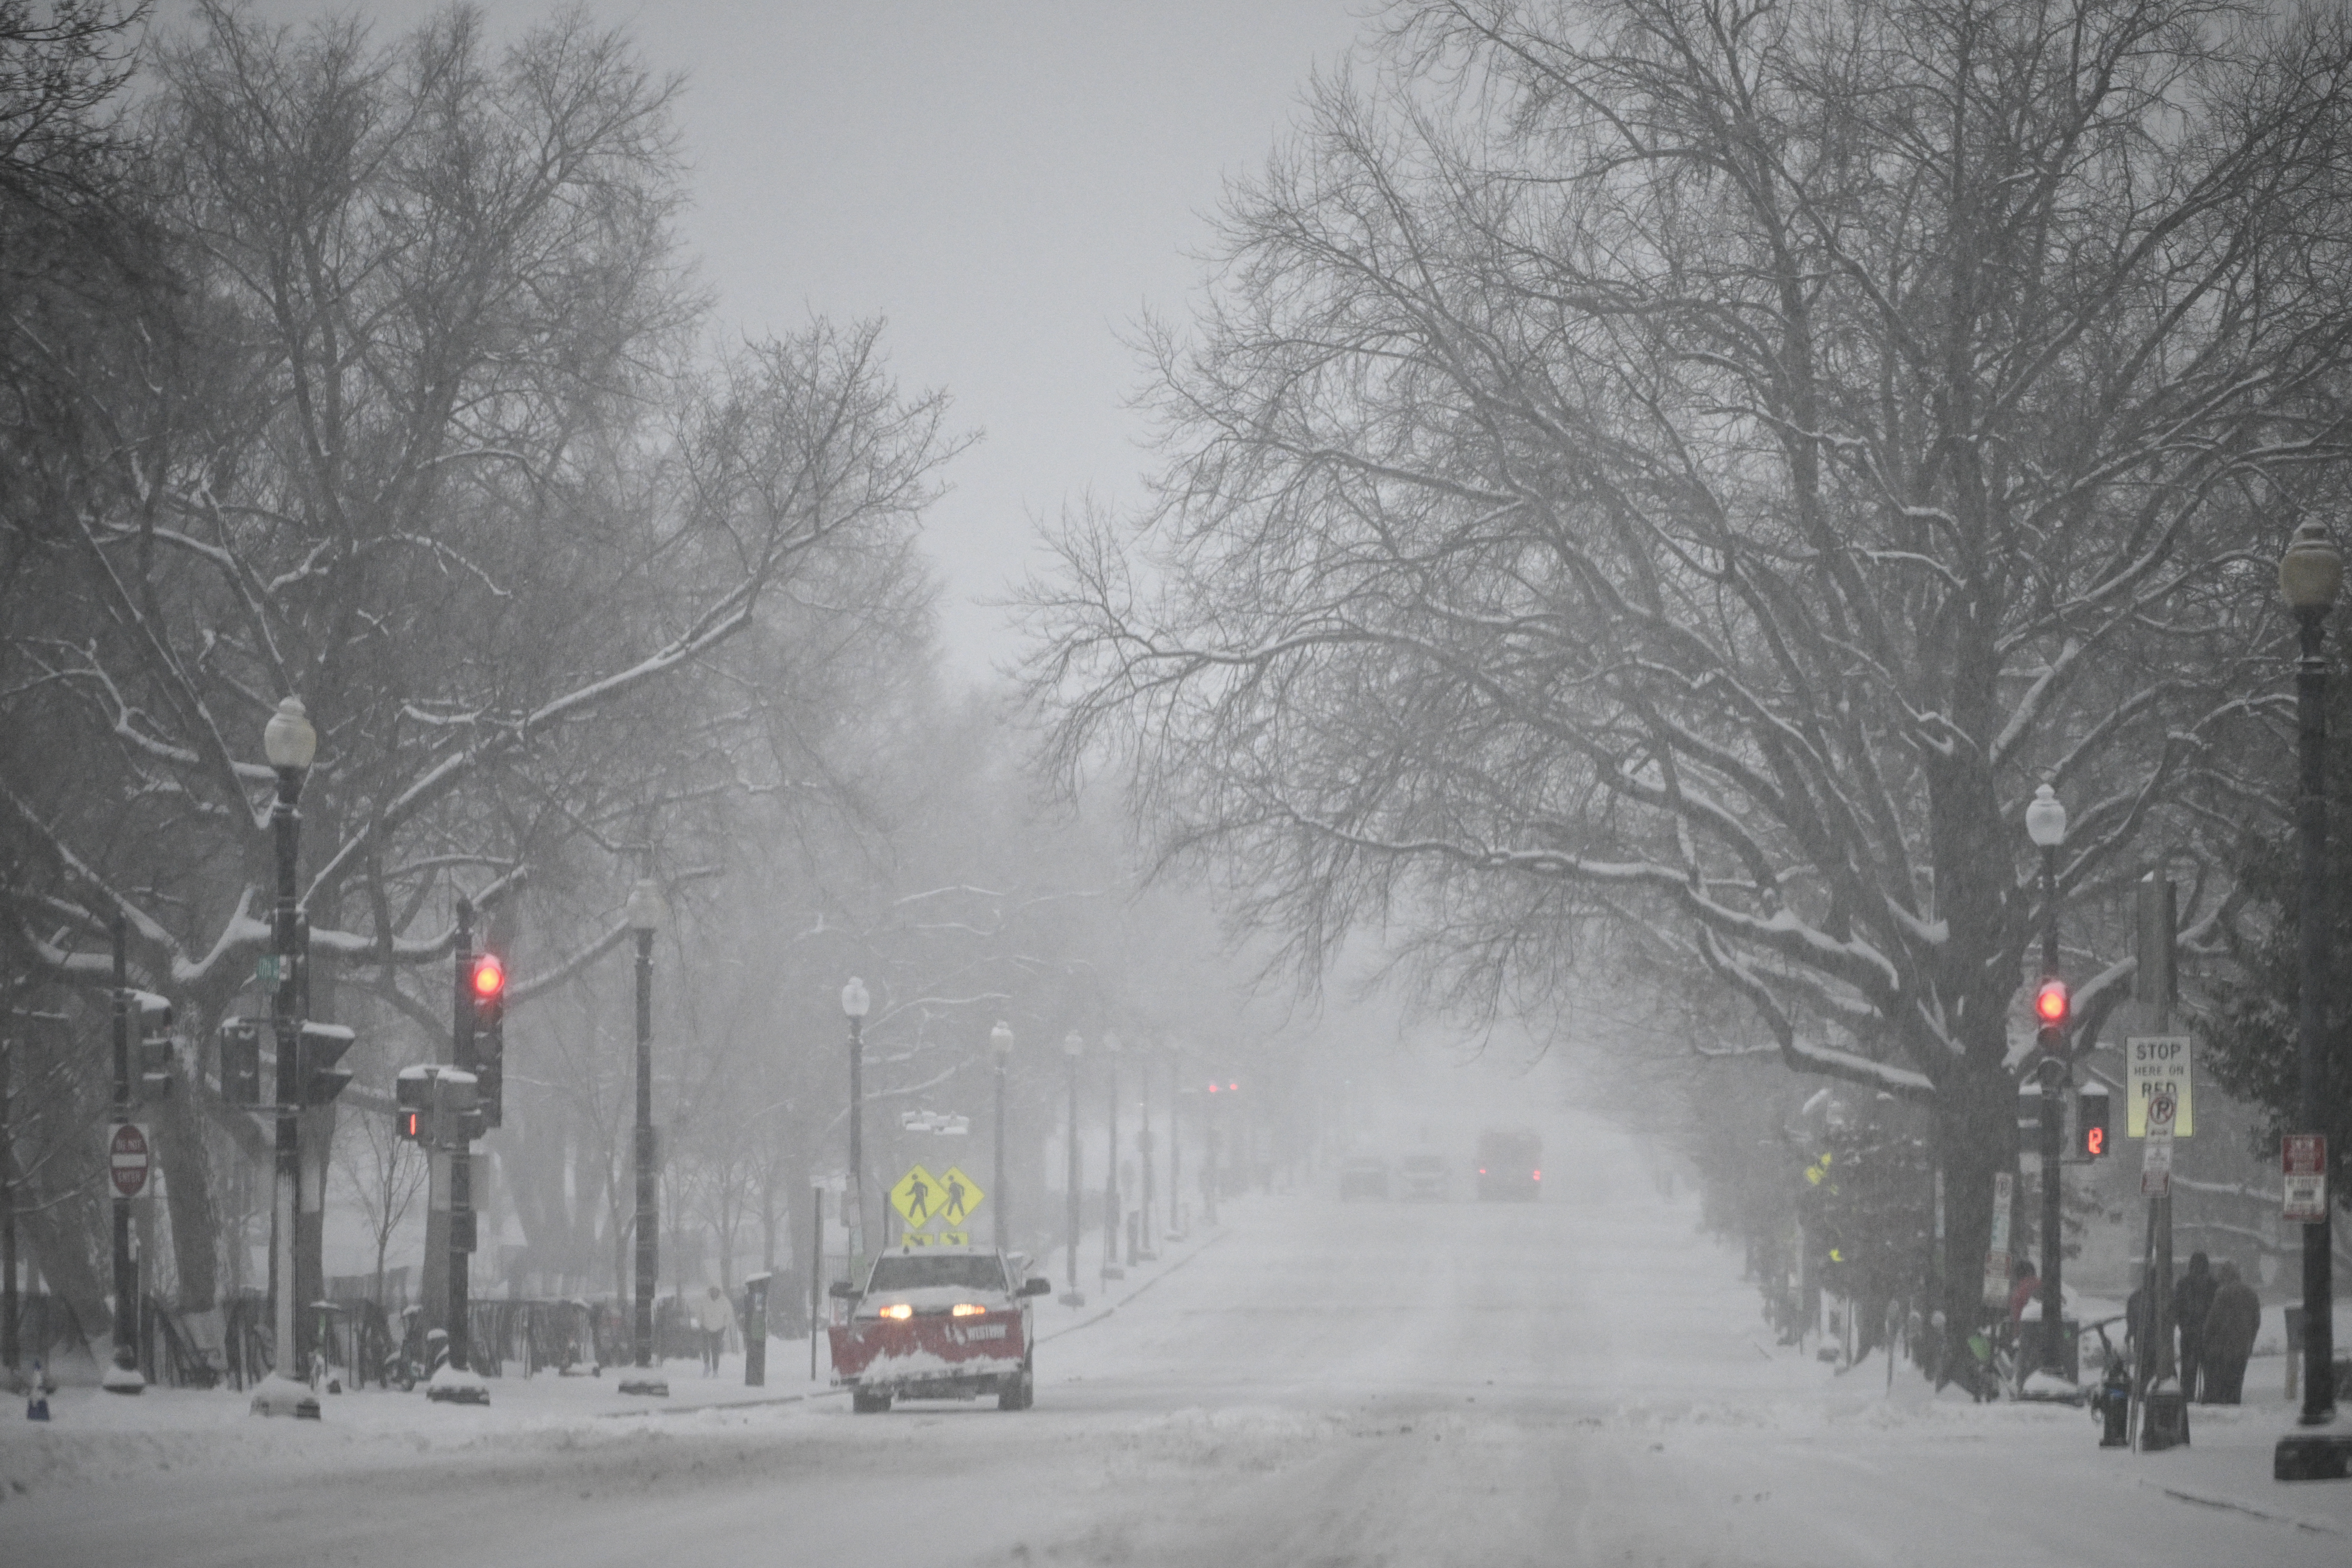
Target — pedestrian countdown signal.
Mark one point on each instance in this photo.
(2090, 1113)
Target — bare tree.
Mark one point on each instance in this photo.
(419, 433)
(1673, 477)
(384, 1172)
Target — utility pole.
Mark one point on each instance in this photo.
(2164, 1425)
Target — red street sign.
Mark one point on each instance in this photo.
(2303, 1153)
(127, 1158)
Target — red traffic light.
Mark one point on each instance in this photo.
(489, 977)
(2049, 1004)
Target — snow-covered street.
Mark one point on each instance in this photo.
(1581, 1380)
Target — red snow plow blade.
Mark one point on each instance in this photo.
(931, 1355)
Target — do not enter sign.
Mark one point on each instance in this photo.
(127, 1156)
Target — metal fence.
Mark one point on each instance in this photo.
(357, 1337)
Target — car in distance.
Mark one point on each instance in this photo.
(1425, 1177)
(1363, 1176)
(937, 1322)
(1510, 1165)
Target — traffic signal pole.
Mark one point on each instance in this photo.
(460, 1162)
(648, 1249)
(125, 1378)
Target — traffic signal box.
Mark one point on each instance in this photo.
(439, 1107)
(487, 991)
(2091, 1131)
(2051, 1004)
(2090, 1137)
(319, 1073)
(240, 1063)
(154, 1063)
(319, 1048)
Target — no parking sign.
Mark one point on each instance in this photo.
(2154, 1065)
(2302, 1170)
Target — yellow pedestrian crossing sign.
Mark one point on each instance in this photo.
(917, 1196)
(959, 1195)
(922, 1198)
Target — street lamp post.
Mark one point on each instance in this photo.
(1112, 1216)
(2045, 824)
(856, 1001)
(289, 743)
(1176, 1092)
(1000, 1048)
(1209, 1153)
(1143, 1153)
(644, 918)
(2310, 573)
(1073, 1046)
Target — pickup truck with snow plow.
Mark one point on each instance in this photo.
(937, 1322)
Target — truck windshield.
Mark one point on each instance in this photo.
(970, 1271)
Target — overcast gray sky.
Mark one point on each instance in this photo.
(1009, 183)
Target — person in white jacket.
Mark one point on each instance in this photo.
(714, 1317)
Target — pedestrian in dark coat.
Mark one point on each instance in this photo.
(2230, 1326)
(2193, 1298)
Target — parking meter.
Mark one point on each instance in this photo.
(755, 1331)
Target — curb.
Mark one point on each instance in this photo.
(2201, 1499)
